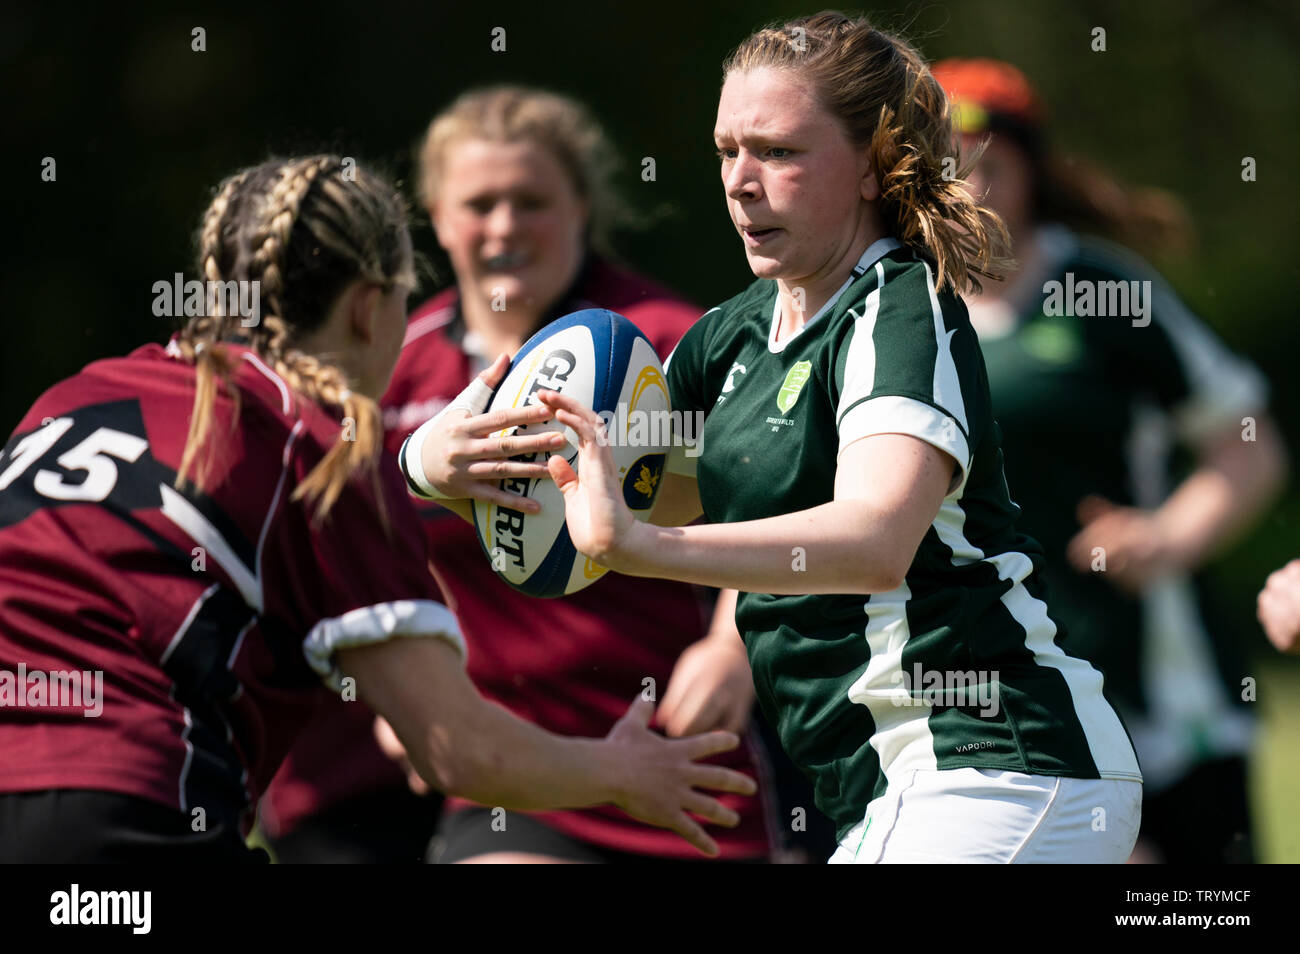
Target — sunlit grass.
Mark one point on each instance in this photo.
(1275, 774)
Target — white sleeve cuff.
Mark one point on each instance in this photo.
(892, 414)
(375, 624)
(473, 401)
(411, 459)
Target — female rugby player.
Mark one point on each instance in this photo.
(516, 182)
(204, 532)
(852, 479)
(1092, 407)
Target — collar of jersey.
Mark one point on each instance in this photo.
(874, 253)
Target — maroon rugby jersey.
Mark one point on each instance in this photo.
(571, 665)
(211, 616)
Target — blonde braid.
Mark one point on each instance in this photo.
(198, 340)
(361, 442)
(303, 246)
(282, 207)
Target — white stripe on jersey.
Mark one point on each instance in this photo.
(1111, 750)
(185, 623)
(234, 654)
(860, 364)
(890, 414)
(947, 384)
(285, 401)
(285, 456)
(1178, 671)
(1183, 689)
(186, 516)
(902, 737)
(189, 751)
(1107, 742)
(430, 322)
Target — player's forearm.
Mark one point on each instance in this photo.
(500, 760)
(845, 546)
(1235, 482)
(463, 744)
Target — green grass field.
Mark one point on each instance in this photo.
(1276, 771)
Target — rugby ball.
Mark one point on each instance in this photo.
(603, 361)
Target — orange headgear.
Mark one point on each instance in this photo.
(986, 91)
(989, 96)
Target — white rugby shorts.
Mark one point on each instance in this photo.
(970, 815)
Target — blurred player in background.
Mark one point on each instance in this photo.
(516, 183)
(202, 533)
(1091, 408)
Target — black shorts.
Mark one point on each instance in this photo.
(386, 827)
(468, 833)
(81, 826)
(1203, 818)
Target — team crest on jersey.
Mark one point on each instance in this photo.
(794, 381)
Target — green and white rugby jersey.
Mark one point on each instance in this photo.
(959, 666)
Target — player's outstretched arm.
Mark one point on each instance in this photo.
(465, 745)
(888, 490)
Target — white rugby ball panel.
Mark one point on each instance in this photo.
(603, 361)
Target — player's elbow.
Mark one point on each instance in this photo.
(888, 570)
(450, 771)
(468, 761)
(887, 578)
(878, 542)
(455, 778)
(446, 764)
(479, 773)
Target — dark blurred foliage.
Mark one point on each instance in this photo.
(142, 128)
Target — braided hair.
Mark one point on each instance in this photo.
(303, 228)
